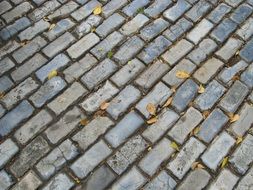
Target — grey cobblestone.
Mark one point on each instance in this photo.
(112, 6)
(8, 149)
(2, 111)
(246, 30)
(5, 65)
(5, 6)
(157, 7)
(8, 48)
(5, 180)
(246, 52)
(247, 76)
(246, 181)
(219, 12)
(5, 83)
(134, 6)
(60, 181)
(241, 13)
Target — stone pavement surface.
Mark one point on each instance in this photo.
(126, 94)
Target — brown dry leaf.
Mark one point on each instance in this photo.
(93, 30)
(234, 78)
(151, 108)
(104, 105)
(1, 95)
(224, 162)
(149, 148)
(206, 114)
(52, 74)
(46, 19)
(197, 165)
(182, 74)
(173, 88)
(97, 10)
(152, 120)
(168, 102)
(84, 122)
(174, 146)
(195, 131)
(23, 43)
(51, 27)
(201, 89)
(233, 117)
(239, 140)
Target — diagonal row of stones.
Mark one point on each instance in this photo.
(128, 56)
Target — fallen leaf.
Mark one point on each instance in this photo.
(51, 27)
(239, 140)
(46, 19)
(197, 165)
(182, 74)
(97, 10)
(151, 108)
(23, 43)
(206, 114)
(233, 117)
(104, 105)
(152, 120)
(234, 78)
(1, 95)
(109, 54)
(52, 74)
(93, 30)
(84, 122)
(195, 131)
(168, 102)
(149, 148)
(174, 146)
(201, 89)
(224, 162)
(173, 88)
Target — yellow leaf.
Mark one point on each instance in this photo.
(195, 131)
(206, 114)
(51, 27)
(1, 95)
(93, 30)
(201, 89)
(152, 120)
(97, 10)
(104, 105)
(197, 165)
(23, 43)
(233, 117)
(239, 140)
(149, 148)
(168, 102)
(173, 88)
(182, 74)
(174, 146)
(224, 162)
(151, 108)
(52, 74)
(84, 122)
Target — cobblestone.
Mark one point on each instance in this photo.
(5, 83)
(8, 149)
(5, 180)
(246, 181)
(134, 6)
(246, 30)
(157, 7)
(5, 65)
(247, 76)
(60, 181)
(219, 12)
(241, 13)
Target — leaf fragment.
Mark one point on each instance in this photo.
(104, 105)
(206, 114)
(84, 122)
(201, 89)
(197, 165)
(2, 95)
(233, 117)
(152, 120)
(182, 74)
(52, 74)
(239, 140)
(224, 162)
(51, 27)
(174, 146)
(97, 10)
(195, 131)
(149, 148)
(151, 108)
(168, 102)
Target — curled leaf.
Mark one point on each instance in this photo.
(168, 102)
(233, 117)
(52, 74)
(51, 27)
(224, 162)
(206, 114)
(151, 108)
(104, 105)
(239, 140)
(182, 74)
(174, 146)
(152, 120)
(201, 89)
(197, 165)
(84, 122)
(97, 10)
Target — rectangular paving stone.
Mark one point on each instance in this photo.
(55, 160)
(184, 95)
(225, 180)
(5, 83)
(227, 74)
(171, 79)
(60, 181)
(154, 49)
(5, 180)
(219, 148)
(247, 76)
(19, 92)
(127, 154)
(197, 180)
(219, 12)
(127, 126)
(233, 3)
(5, 65)
(99, 73)
(134, 6)
(29, 156)
(177, 10)
(34, 30)
(134, 25)
(157, 7)
(147, 79)
(229, 48)
(152, 160)
(245, 121)
(112, 6)
(128, 50)
(208, 70)
(246, 51)
(13, 118)
(153, 29)
(27, 68)
(86, 43)
(223, 30)
(185, 125)
(199, 31)
(110, 24)
(56, 63)
(242, 157)
(5, 6)
(8, 149)
(246, 181)
(120, 104)
(58, 45)
(160, 182)
(241, 13)
(176, 52)
(64, 126)
(75, 70)
(204, 49)
(185, 158)
(12, 29)
(212, 125)
(198, 10)
(29, 49)
(67, 98)
(90, 159)
(8, 48)
(246, 30)
(127, 72)
(178, 29)
(92, 131)
(85, 10)
(2, 111)
(101, 50)
(30, 180)
(32, 127)
(165, 121)
(212, 94)
(234, 97)
(132, 180)
(157, 96)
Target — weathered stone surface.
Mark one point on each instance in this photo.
(247, 76)
(60, 181)
(246, 181)
(7, 149)
(5, 180)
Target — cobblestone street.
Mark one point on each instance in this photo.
(126, 94)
